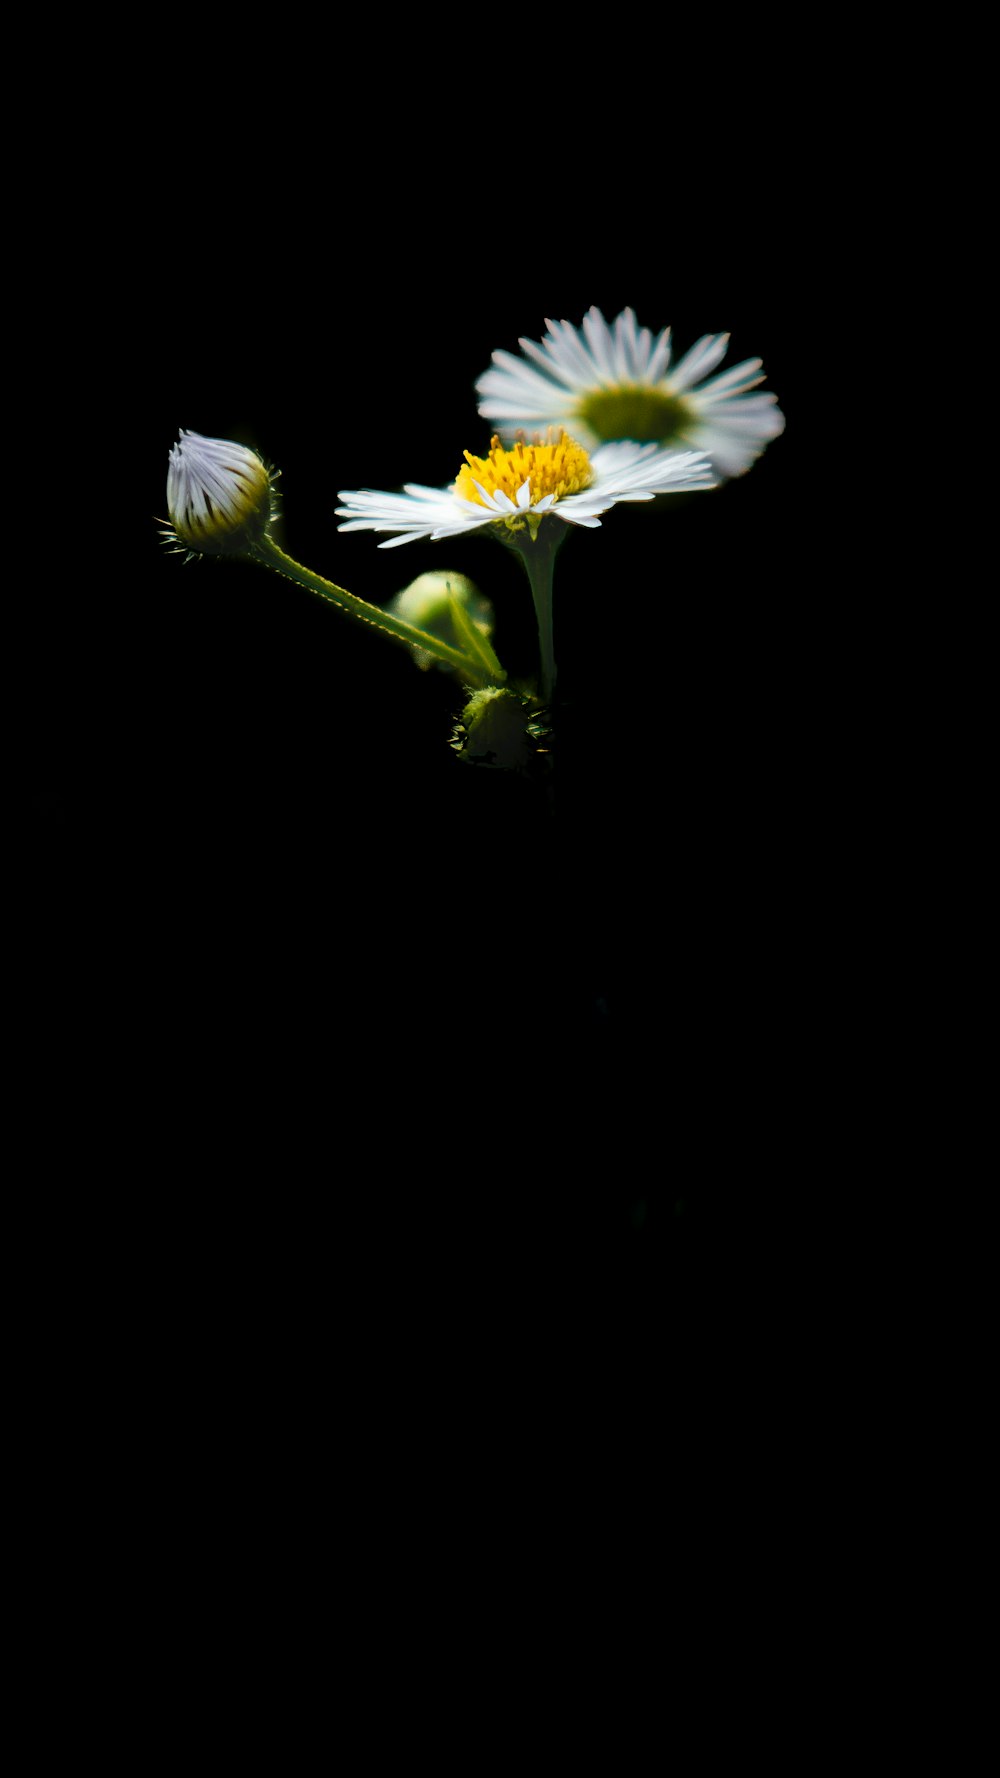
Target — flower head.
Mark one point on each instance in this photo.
(518, 489)
(218, 495)
(604, 382)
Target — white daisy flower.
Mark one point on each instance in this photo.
(519, 488)
(218, 494)
(616, 382)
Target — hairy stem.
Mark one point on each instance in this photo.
(268, 553)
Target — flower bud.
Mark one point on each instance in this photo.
(427, 604)
(499, 727)
(218, 495)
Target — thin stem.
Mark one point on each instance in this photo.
(268, 553)
(538, 558)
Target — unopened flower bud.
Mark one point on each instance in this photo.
(499, 727)
(218, 495)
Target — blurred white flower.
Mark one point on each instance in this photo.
(603, 382)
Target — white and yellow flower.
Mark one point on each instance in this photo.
(605, 382)
(519, 488)
(219, 495)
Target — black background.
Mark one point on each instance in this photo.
(374, 1013)
(406, 1154)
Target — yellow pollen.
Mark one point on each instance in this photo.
(559, 467)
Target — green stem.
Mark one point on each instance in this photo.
(267, 552)
(538, 558)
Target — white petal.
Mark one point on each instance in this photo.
(747, 413)
(512, 374)
(553, 375)
(601, 343)
(659, 358)
(732, 448)
(637, 345)
(732, 382)
(703, 357)
(532, 417)
(624, 347)
(579, 368)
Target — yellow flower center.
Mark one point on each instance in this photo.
(559, 467)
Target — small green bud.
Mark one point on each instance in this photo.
(500, 728)
(427, 604)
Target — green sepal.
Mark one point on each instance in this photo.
(474, 642)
